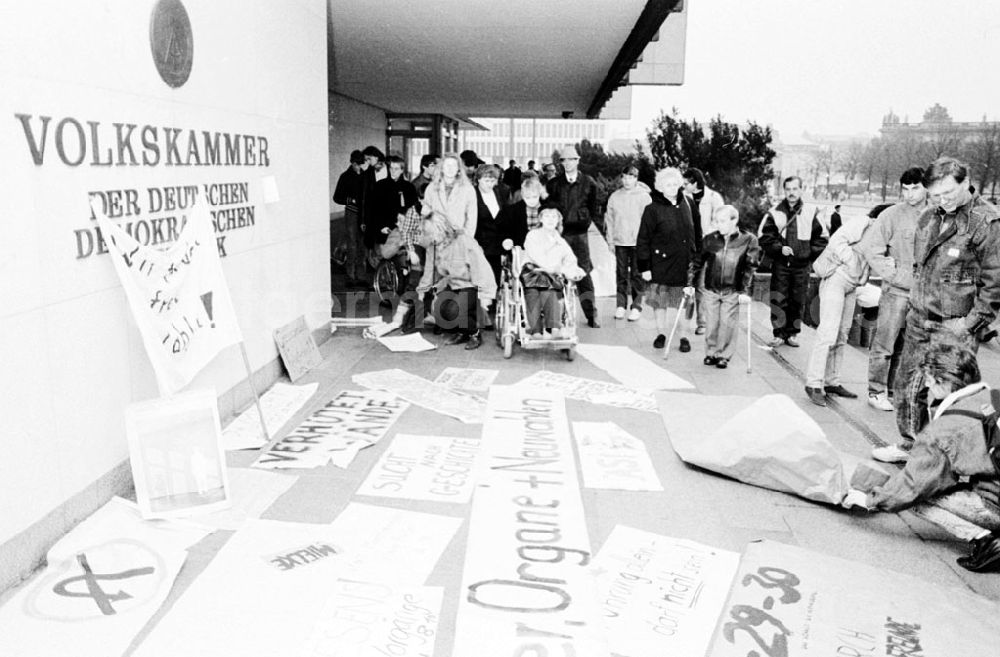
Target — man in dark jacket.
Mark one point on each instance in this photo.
(956, 287)
(374, 171)
(512, 176)
(392, 198)
(792, 235)
(574, 194)
(348, 194)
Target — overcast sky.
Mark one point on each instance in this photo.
(833, 66)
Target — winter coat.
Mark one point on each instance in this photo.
(577, 202)
(888, 247)
(624, 214)
(488, 226)
(545, 248)
(709, 202)
(843, 254)
(728, 261)
(391, 198)
(459, 207)
(666, 244)
(780, 227)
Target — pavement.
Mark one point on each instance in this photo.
(695, 504)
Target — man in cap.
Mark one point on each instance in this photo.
(574, 194)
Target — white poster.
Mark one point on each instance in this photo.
(789, 601)
(251, 492)
(104, 580)
(661, 595)
(467, 378)
(612, 458)
(436, 468)
(593, 391)
(347, 424)
(175, 449)
(631, 369)
(418, 390)
(412, 343)
(367, 619)
(178, 295)
(279, 404)
(526, 586)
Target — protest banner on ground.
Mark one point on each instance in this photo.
(175, 448)
(467, 378)
(766, 441)
(335, 433)
(526, 584)
(631, 369)
(412, 343)
(789, 601)
(251, 492)
(178, 295)
(661, 595)
(279, 404)
(436, 468)
(612, 458)
(104, 580)
(366, 619)
(432, 396)
(591, 390)
(297, 348)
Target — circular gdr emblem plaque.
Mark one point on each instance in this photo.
(171, 41)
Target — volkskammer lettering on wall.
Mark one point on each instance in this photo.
(135, 145)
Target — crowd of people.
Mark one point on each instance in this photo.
(680, 249)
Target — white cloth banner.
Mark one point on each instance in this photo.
(467, 378)
(661, 595)
(437, 468)
(279, 404)
(365, 619)
(104, 580)
(178, 296)
(631, 369)
(789, 601)
(593, 391)
(347, 424)
(251, 493)
(526, 585)
(413, 343)
(418, 390)
(612, 458)
(263, 593)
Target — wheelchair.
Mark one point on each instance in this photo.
(511, 312)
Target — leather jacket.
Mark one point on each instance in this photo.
(729, 262)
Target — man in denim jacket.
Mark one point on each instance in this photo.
(956, 286)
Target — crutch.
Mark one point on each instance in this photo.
(670, 340)
(749, 339)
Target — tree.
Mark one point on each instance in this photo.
(937, 114)
(849, 159)
(736, 162)
(982, 152)
(823, 165)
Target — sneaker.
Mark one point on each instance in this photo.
(880, 401)
(791, 341)
(775, 342)
(619, 313)
(685, 346)
(659, 341)
(723, 363)
(839, 391)
(891, 454)
(700, 330)
(634, 315)
(816, 396)
(711, 360)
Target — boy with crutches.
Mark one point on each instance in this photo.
(728, 258)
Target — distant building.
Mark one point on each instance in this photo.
(530, 139)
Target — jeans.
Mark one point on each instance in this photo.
(887, 345)
(722, 316)
(584, 286)
(908, 387)
(628, 278)
(836, 312)
(789, 286)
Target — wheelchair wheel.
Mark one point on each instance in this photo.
(389, 280)
(500, 323)
(508, 345)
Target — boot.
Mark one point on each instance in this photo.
(984, 555)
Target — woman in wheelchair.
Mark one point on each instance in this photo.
(548, 259)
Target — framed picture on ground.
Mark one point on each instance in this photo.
(175, 448)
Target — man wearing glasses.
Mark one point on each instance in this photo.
(574, 194)
(955, 291)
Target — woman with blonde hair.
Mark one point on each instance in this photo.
(450, 217)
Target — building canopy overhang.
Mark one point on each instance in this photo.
(557, 58)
